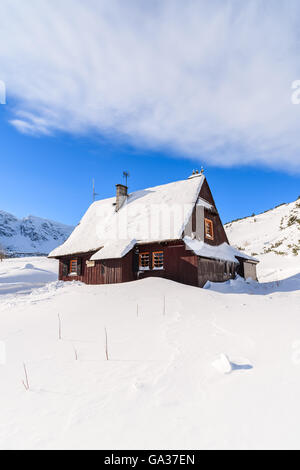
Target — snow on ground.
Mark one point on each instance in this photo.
(188, 367)
(21, 275)
(275, 268)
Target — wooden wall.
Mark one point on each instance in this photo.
(250, 271)
(219, 231)
(67, 259)
(180, 264)
(206, 194)
(196, 223)
(214, 271)
(104, 272)
(247, 269)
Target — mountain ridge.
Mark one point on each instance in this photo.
(275, 231)
(31, 235)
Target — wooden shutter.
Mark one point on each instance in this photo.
(135, 261)
(79, 266)
(65, 268)
(144, 260)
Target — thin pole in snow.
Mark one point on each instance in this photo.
(76, 353)
(59, 327)
(26, 383)
(106, 345)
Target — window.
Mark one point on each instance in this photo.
(158, 260)
(209, 229)
(144, 261)
(73, 266)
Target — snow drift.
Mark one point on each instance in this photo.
(188, 367)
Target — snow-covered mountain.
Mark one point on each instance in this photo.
(31, 235)
(277, 231)
(273, 237)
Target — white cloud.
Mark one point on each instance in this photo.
(203, 79)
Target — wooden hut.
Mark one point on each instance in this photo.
(172, 231)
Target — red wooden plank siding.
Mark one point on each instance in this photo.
(219, 231)
(180, 264)
(104, 272)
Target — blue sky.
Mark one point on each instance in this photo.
(52, 176)
(155, 88)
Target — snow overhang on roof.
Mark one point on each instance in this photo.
(202, 202)
(153, 214)
(222, 252)
(114, 249)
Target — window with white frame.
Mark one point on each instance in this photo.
(144, 264)
(158, 260)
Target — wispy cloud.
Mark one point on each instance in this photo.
(204, 79)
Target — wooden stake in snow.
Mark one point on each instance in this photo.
(26, 382)
(59, 327)
(106, 345)
(76, 353)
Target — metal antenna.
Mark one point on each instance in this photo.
(126, 175)
(94, 192)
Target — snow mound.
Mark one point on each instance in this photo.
(225, 366)
(222, 364)
(241, 286)
(29, 266)
(19, 278)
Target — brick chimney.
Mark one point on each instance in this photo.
(122, 194)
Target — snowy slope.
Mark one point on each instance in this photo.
(214, 368)
(31, 235)
(23, 275)
(273, 237)
(188, 368)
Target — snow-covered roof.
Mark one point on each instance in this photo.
(222, 252)
(114, 249)
(153, 214)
